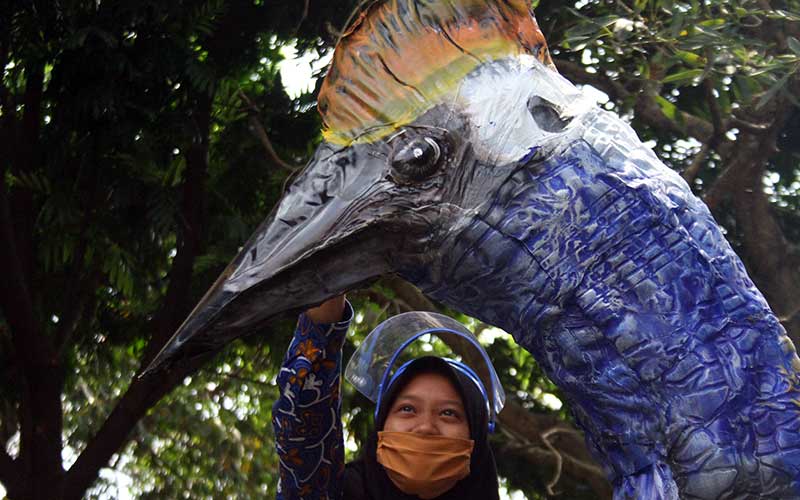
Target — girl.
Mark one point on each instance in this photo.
(431, 428)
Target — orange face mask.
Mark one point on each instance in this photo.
(424, 465)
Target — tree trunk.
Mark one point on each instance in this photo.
(38, 467)
(773, 264)
(143, 394)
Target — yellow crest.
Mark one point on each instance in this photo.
(402, 57)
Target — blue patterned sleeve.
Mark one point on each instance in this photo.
(307, 415)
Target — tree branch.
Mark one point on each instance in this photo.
(577, 462)
(15, 234)
(411, 295)
(545, 437)
(258, 130)
(770, 259)
(697, 164)
(742, 124)
(39, 409)
(191, 232)
(719, 128)
(21, 200)
(40, 405)
(132, 407)
(646, 106)
(302, 17)
(4, 94)
(14, 294)
(9, 472)
(578, 74)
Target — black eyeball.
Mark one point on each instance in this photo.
(416, 159)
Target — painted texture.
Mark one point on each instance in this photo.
(617, 279)
(306, 416)
(401, 58)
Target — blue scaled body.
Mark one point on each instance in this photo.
(618, 280)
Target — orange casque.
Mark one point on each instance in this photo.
(402, 57)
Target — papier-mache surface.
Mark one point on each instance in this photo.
(401, 58)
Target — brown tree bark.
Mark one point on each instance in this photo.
(547, 441)
(41, 381)
(773, 263)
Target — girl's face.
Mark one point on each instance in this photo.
(429, 404)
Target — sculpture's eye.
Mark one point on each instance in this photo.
(416, 159)
(546, 115)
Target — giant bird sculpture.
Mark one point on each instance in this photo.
(457, 157)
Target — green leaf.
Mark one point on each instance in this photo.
(581, 30)
(690, 58)
(683, 76)
(772, 91)
(705, 34)
(575, 44)
(677, 24)
(793, 98)
(724, 100)
(782, 14)
(34, 181)
(669, 109)
(794, 44)
(713, 23)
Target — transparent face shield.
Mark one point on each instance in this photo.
(372, 366)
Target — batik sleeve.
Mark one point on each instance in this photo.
(307, 415)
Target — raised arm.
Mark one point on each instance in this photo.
(307, 415)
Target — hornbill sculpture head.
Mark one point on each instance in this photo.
(457, 157)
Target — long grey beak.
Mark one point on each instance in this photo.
(320, 240)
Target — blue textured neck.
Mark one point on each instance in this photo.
(624, 289)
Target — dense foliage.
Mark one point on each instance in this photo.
(141, 142)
